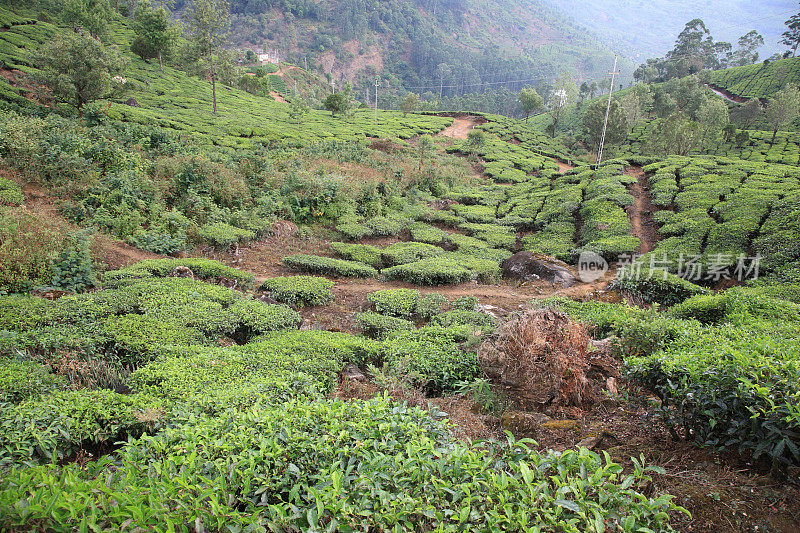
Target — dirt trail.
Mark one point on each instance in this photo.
(641, 212)
(460, 128)
(277, 97)
(726, 94)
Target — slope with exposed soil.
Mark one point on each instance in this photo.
(643, 226)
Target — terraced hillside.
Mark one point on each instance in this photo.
(265, 322)
(757, 81)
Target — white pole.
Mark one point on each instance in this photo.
(377, 82)
(608, 109)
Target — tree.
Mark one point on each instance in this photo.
(425, 146)
(749, 113)
(208, 26)
(530, 101)
(594, 117)
(337, 102)
(791, 37)
(712, 117)
(298, 109)
(783, 108)
(675, 135)
(156, 34)
(562, 93)
(89, 15)
(409, 103)
(747, 54)
(476, 139)
(78, 69)
(635, 103)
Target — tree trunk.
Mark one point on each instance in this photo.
(774, 133)
(213, 83)
(160, 64)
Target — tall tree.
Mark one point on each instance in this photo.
(155, 32)
(409, 103)
(563, 92)
(712, 117)
(747, 54)
(209, 21)
(747, 114)
(530, 101)
(783, 108)
(77, 68)
(791, 37)
(337, 102)
(88, 15)
(594, 118)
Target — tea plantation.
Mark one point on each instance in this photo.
(261, 320)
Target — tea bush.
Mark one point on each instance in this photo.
(278, 467)
(360, 253)
(401, 303)
(328, 266)
(222, 235)
(401, 253)
(458, 317)
(10, 193)
(205, 269)
(444, 269)
(430, 305)
(376, 325)
(422, 232)
(300, 290)
(431, 357)
(658, 286)
(54, 427)
(20, 380)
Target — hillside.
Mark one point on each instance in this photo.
(449, 47)
(762, 80)
(280, 319)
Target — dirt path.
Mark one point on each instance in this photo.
(641, 212)
(277, 97)
(726, 94)
(460, 128)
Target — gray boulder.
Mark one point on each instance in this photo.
(528, 266)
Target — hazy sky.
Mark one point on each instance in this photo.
(652, 25)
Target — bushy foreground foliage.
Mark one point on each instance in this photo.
(331, 463)
(724, 366)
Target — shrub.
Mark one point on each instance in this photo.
(466, 303)
(353, 230)
(328, 266)
(361, 253)
(300, 290)
(659, 286)
(10, 193)
(27, 246)
(205, 269)
(72, 270)
(431, 357)
(376, 325)
(430, 305)
(222, 235)
(458, 317)
(444, 269)
(296, 451)
(20, 380)
(249, 318)
(395, 302)
(407, 252)
(422, 232)
(54, 427)
(383, 226)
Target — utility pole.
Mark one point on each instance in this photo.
(377, 82)
(608, 109)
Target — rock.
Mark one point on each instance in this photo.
(352, 372)
(266, 298)
(529, 266)
(132, 102)
(182, 272)
(523, 423)
(611, 385)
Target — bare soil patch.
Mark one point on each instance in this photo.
(641, 212)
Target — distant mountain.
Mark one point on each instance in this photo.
(447, 47)
(647, 28)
